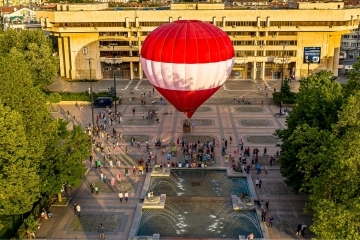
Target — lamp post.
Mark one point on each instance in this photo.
(91, 95)
(113, 71)
(282, 76)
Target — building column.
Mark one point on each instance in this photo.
(263, 71)
(140, 71)
(253, 72)
(67, 57)
(61, 56)
(131, 71)
(336, 62)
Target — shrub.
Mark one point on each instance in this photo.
(290, 98)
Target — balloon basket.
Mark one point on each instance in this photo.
(187, 129)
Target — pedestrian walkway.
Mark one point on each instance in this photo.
(253, 124)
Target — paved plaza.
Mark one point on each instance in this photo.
(218, 118)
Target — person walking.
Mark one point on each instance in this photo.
(256, 183)
(112, 182)
(126, 196)
(133, 111)
(126, 171)
(134, 170)
(271, 221)
(121, 196)
(260, 183)
(96, 190)
(78, 210)
(267, 204)
(298, 229)
(230, 139)
(101, 231)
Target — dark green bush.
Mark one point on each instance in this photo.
(290, 98)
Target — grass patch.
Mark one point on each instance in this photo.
(63, 203)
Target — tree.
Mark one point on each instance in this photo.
(65, 163)
(36, 51)
(19, 182)
(334, 196)
(318, 102)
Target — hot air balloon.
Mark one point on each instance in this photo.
(187, 61)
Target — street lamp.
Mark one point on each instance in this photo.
(113, 70)
(91, 94)
(282, 76)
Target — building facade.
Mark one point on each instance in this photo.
(265, 40)
(350, 44)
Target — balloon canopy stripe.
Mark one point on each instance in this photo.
(187, 77)
(187, 61)
(187, 42)
(187, 101)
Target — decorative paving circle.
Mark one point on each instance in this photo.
(196, 138)
(138, 137)
(90, 222)
(140, 122)
(256, 123)
(199, 122)
(262, 139)
(249, 109)
(204, 109)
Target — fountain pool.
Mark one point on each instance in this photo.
(201, 218)
(198, 205)
(198, 182)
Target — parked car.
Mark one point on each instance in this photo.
(103, 102)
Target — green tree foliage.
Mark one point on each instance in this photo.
(318, 101)
(321, 153)
(36, 51)
(19, 182)
(45, 142)
(65, 159)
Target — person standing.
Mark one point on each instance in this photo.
(257, 183)
(126, 196)
(121, 196)
(78, 209)
(267, 204)
(143, 116)
(133, 111)
(271, 220)
(134, 170)
(126, 171)
(250, 236)
(260, 183)
(193, 126)
(101, 231)
(226, 144)
(263, 215)
(303, 228)
(230, 139)
(298, 229)
(96, 190)
(75, 208)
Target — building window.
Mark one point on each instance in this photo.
(344, 44)
(354, 44)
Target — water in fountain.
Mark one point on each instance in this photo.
(205, 218)
(198, 182)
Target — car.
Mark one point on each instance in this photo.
(118, 9)
(103, 102)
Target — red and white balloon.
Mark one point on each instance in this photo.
(187, 61)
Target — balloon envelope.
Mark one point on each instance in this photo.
(187, 61)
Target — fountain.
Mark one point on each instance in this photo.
(199, 204)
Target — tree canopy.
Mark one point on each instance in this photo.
(37, 153)
(37, 53)
(320, 153)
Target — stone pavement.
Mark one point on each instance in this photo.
(253, 124)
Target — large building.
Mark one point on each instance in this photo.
(303, 37)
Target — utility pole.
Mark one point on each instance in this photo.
(113, 71)
(91, 96)
(282, 77)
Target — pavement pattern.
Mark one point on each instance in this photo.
(220, 117)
